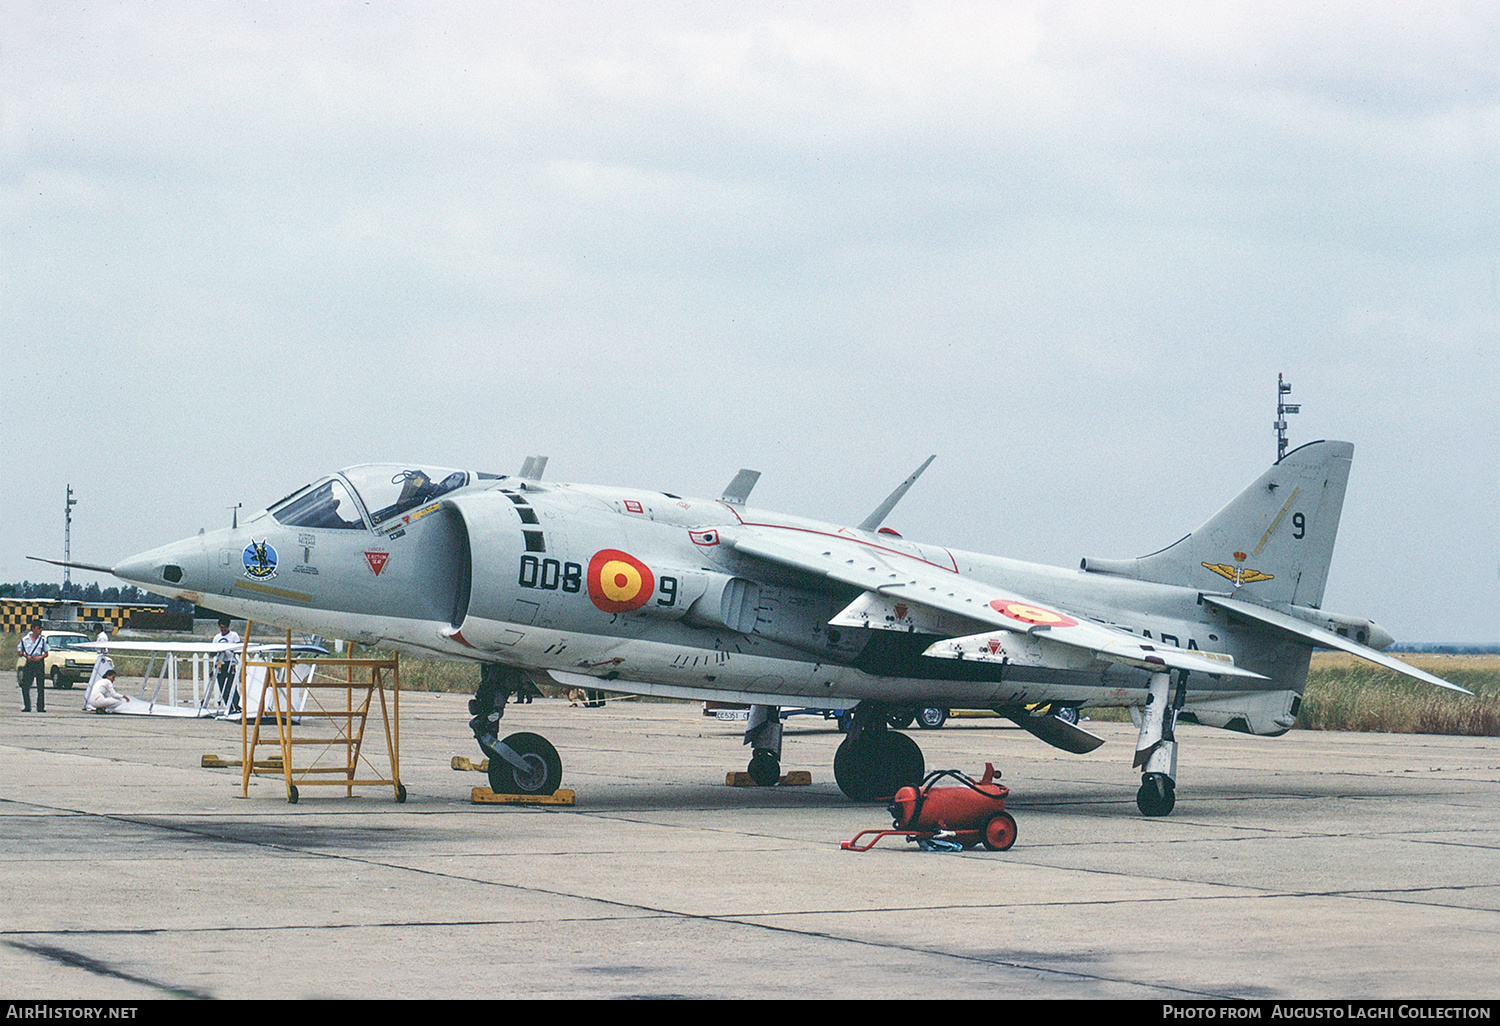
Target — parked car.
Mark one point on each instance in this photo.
(67, 664)
(927, 717)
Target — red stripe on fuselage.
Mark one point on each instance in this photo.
(952, 568)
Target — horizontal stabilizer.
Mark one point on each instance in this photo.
(1324, 638)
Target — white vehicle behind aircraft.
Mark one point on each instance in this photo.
(711, 599)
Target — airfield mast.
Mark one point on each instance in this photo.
(1282, 409)
(68, 542)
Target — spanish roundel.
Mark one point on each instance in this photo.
(1027, 613)
(618, 582)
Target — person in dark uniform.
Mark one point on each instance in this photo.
(34, 649)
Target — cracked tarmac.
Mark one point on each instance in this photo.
(1315, 865)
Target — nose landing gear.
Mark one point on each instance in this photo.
(523, 763)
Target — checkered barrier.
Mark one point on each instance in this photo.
(18, 614)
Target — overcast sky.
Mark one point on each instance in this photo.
(1067, 247)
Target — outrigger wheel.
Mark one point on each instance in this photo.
(1157, 796)
(764, 768)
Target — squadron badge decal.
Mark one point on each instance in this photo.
(1237, 573)
(260, 560)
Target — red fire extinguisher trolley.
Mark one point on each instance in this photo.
(968, 813)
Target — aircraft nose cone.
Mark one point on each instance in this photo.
(174, 570)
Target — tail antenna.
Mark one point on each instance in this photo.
(1282, 409)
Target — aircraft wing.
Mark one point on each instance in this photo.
(1325, 638)
(1026, 629)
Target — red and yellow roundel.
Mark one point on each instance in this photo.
(1027, 613)
(618, 582)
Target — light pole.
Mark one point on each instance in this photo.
(68, 542)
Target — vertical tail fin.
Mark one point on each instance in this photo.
(1273, 543)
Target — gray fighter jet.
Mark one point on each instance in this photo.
(654, 593)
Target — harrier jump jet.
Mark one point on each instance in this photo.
(662, 594)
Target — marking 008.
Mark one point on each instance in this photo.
(550, 574)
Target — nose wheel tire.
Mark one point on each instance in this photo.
(543, 772)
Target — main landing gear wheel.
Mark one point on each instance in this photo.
(765, 769)
(1000, 832)
(543, 772)
(877, 765)
(1157, 796)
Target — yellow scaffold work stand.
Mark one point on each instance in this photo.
(335, 761)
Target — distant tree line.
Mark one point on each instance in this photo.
(90, 594)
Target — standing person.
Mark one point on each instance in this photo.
(34, 649)
(103, 638)
(226, 664)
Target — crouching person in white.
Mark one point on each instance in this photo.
(102, 696)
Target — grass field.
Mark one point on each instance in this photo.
(1343, 693)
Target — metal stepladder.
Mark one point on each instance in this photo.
(282, 691)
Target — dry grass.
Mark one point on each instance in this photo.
(1345, 693)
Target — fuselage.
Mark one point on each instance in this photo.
(640, 588)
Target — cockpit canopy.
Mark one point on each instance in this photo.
(386, 490)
